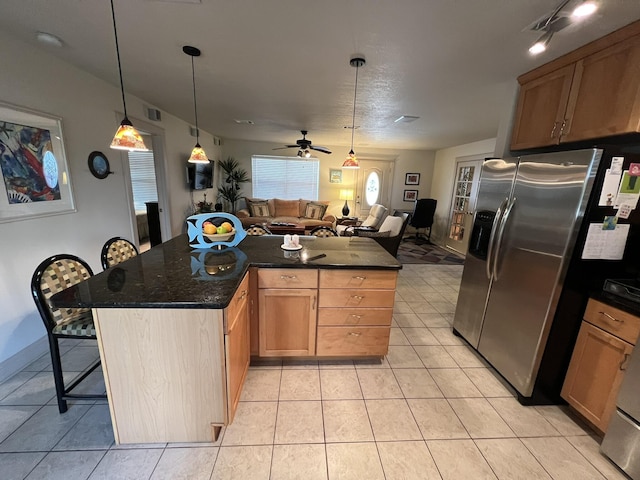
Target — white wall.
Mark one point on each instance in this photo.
(443, 180)
(89, 110)
(405, 161)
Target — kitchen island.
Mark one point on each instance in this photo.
(176, 326)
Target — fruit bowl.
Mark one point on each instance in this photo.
(219, 237)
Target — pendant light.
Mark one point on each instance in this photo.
(352, 161)
(127, 137)
(197, 154)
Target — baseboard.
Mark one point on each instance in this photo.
(24, 357)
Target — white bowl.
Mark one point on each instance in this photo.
(220, 237)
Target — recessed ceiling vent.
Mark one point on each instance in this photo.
(406, 119)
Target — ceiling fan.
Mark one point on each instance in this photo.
(303, 145)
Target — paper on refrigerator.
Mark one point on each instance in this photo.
(605, 244)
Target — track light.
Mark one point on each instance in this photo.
(584, 9)
(541, 45)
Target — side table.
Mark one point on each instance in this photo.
(348, 221)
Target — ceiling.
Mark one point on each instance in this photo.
(284, 64)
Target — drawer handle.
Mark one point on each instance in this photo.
(288, 277)
(243, 294)
(360, 278)
(611, 317)
(625, 361)
(357, 297)
(355, 334)
(357, 317)
(313, 307)
(553, 130)
(564, 124)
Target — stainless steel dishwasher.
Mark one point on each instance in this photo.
(622, 441)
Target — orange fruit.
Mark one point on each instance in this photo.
(209, 228)
(227, 226)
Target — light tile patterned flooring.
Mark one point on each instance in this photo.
(432, 409)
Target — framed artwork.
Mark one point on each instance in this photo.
(33, 166)
(412, 179)
(335, 176)
(410, 195)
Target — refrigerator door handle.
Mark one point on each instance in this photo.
(496, 221)
(503, 223)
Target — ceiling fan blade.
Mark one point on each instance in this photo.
(320, 149)
(284, 148)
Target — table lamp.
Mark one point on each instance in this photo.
(346, 194)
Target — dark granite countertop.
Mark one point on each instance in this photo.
(173, 275)
(618, 302)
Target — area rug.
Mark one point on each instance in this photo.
(420, 251)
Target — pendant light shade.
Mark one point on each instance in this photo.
(352, 161)
(127, 137)
(197, 154)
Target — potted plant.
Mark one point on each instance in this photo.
(234, 176)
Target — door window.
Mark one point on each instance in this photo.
(372, 188)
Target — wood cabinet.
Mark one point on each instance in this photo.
(356, 309)
(237, 346)
(606, 339)
(287, 307)
(591, 93)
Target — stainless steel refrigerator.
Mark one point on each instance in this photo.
(528, 215)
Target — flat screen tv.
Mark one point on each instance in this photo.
(200, 175)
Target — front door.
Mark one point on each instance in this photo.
(463, 204)
(373, 185)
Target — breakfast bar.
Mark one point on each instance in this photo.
(177, 326)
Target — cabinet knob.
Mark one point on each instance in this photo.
(611, 317)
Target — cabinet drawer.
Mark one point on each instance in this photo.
(358, 279)
(355, 316)
(613, 320)
(356, 298)
(336, 341)
(236, 305)
(287, 278)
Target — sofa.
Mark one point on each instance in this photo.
(310, 213)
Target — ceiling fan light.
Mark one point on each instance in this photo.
(198, 155)
(584, 9)
(128, 138)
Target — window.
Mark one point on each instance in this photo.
(284, 177)
(143, 179)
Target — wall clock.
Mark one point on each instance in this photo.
(99, 165)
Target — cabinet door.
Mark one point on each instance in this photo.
(541, 109)
(595, 373)
(605, 95)
(237, 348)
(287, 321)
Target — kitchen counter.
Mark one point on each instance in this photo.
(173, 275)
(174, 325)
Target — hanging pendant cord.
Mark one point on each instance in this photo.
(353, 118)
(195, 105)
(115, 32)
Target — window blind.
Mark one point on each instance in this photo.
(284, 177)
(143, 179)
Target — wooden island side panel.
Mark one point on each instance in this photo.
(164, 372)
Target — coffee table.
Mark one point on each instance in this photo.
(288, 228)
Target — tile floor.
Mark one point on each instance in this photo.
(432, 409)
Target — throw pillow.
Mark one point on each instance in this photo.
(315, 211)
(374, 234)
(259, 209)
